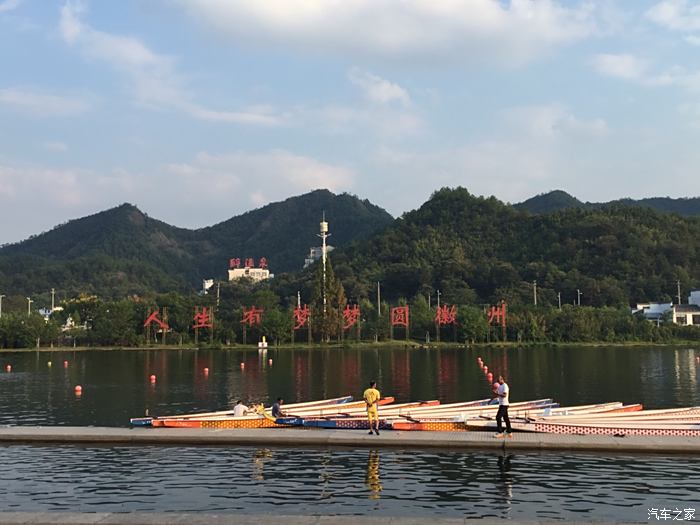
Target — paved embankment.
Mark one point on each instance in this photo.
(344, 438)
(147, 518)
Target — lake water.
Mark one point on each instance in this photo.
(116, 386)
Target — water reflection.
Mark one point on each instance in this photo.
(372, 479)
(116, 385)
(505, 485)
(260, 457)
(474, 484)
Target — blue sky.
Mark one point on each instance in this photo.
(198, 110)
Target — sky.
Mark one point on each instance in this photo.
(199, 110)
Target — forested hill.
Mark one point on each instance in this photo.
(480, 250)
(560, 200)
(123, 251)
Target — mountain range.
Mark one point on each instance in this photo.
(472, 248)
(558, 200)
(123, 251)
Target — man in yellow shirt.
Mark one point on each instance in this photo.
(371, 397)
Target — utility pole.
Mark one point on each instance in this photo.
(1, 296)
(53, 299)
(534, 291)
(298, 299)
(218, 293)
(29, 306)
(429, 300)
(438, 295)
(559, 299)
(324, 253)
(379, 312)
(579, 293)
(678, 285)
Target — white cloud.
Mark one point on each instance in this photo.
(677, 15)
(377, 89)
(41, 186)
(693, 40)
(42, 104)
(552, 122)
(209, 188)
(630, 67)
(154, 77)
(454, 30)
(9, 5)
(619, 65)
(55, 146)
(384, 122)
(276, 169)
(536, 149)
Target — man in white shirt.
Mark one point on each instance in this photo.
(503, 403)
(240, 409)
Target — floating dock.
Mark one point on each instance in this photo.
(65, 435)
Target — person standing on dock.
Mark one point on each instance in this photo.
(503, 403)
(371, 397)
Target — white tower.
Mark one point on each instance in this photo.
(324, 253)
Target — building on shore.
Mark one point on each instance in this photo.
(315, 254)
(249, 270)
(682, 314)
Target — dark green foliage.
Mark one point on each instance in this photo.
(122, 251)
(479, 250)
(558, 200)
(555, 200)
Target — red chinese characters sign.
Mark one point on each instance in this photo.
(153, 318)
(445, 315)
(301, 316)
(203, 318)
(351, 315)
(252, 316)
(248, 262)
(497, 314)
(399, 316)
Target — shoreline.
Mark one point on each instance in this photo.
(395, 344)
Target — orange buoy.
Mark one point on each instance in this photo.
(242, 366)
(8, 368)
(78, 390)
(206, 371)
(65, 364)
(152, 378)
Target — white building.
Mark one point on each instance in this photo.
(315, 254)
(694, 298)
(256, 274)
(653, 311)
(686, 314)
(206, 284)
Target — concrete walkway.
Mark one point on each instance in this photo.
(147, 518)
(345, 438)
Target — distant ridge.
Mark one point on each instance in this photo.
(123, 251)
(558, 200)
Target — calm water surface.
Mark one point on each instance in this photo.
(337, 481)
